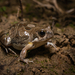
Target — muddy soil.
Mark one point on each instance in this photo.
(47, 60)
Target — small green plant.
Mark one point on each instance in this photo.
(71, 25)
(42, 62)
(62, 30)
(66, 72)
(37, 61)
(57, 25)
(5, 15)
(54, 71)
(45, 60)
(27, 8)
(7, 34)
(53, 66)
(14, 22)
(42, 66)
(72, 69)
(3, 9)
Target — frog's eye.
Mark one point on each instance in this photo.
(42, 33)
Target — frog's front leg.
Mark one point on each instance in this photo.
(24, 53)
(50, 43)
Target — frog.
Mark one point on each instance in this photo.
(26, 37)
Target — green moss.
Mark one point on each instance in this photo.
(45, 60)
(57, 25)
(3, 9)
(37, 61)
(72, 69)
(5, 15)
(14, 22)
(71, 25)
(66, 72)
(44, 66)
(16, 56)
(28, 8)
(42, 62)
(30, 16)
(53, 66)
(24, 63)
(54, 71)
(28, 51)
(62, 30)
(7, 33)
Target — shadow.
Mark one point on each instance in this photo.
(40, 51)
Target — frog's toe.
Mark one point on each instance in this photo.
(27, 61)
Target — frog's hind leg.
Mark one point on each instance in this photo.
(5, 48)
(12, 51)
(8, 49)
(24, 52)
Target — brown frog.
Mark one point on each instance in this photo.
(25, 37)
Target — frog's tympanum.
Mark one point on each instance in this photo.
(25, 37)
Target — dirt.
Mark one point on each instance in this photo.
(47, 60)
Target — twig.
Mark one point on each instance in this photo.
(71, 10)
(44, 5)
(53, 4)
(21, 8)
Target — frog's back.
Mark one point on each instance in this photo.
(7, 35)
(16, 34)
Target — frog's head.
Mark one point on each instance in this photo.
(45, 33)
(42, 35)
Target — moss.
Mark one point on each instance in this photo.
(66, 72)
(3, 9)
(14, 22)
(42, 62)
(28, 8)
(7, 34)
(44, 66)
(54, 71)
(57, 25)
(53, 66)
(72, 25)
(62, 30)
(5, 15)
(37, 61)
(24, 63)
(45, 60)
(72, 69)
